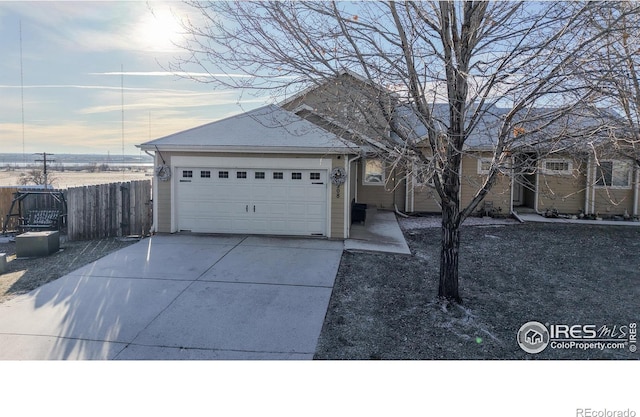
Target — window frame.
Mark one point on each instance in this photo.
(482, 171)
(613, 163)
(382, 168)
(548, 171)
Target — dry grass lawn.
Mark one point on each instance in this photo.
(68, 179)
(385, 306)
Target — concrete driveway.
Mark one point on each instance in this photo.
(180, 297)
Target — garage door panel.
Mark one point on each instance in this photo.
(278, 191)
(315, 210)
(297, 210)
(258, 201)
(315, 193)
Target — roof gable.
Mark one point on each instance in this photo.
(266, 128)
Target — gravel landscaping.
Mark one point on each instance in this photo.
(26, 274)
(385, 306)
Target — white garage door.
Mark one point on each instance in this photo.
(253, 201)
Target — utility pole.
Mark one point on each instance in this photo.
(44, 161)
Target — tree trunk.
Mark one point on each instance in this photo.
(448, 286)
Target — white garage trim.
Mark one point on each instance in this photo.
(248, 162)
(179, 163)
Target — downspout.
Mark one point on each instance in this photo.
(154, 195)
(406, 195)
(588, 187)
(593, 192)
(413, 200)
(459, 187)
(511, 210)
(636, 191)
(512, 181)
(347, 206)
(535, 193)
(355, 158)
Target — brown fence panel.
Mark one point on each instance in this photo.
(109, 210)
(6, 197)
(37, 200)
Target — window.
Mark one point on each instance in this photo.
(314, 176)
(296, 175)
(484, 165)
(187, 174)
(278, 175)
(613, 174)
(223, 174)
(373, 172)
(241, 174)
(259, 175)
(557, 166)
(205, 174)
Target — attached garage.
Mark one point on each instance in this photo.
(263, 172)
(252, 200)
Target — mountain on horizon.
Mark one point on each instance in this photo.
(11, 158)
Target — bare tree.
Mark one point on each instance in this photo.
(36, 176)
(446, 67)
(614, 73)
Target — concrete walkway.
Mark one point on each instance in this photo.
(180, 297)
(380, 233)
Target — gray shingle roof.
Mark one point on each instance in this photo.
(269, 128)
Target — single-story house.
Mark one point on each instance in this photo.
(295, 169)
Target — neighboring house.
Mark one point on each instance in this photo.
(297, 168)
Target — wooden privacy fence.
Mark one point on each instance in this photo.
(109, 210)
(37, 199)
(6, 197)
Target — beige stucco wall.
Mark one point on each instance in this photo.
(349, 102)
(612, 201)
(337, 205)
(471, 182)
(162, 199)
(382, 196)
(563, 192)
(426, 198)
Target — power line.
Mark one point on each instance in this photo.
(24, 155)
(44, 161)
(122, 105)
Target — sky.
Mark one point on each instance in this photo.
(86, 66)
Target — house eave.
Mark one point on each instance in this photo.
(250, 149)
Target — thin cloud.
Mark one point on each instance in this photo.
(100, 87)
(179, 74)
(159, 100)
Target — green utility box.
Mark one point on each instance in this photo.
(3, 263)
(36, 244)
